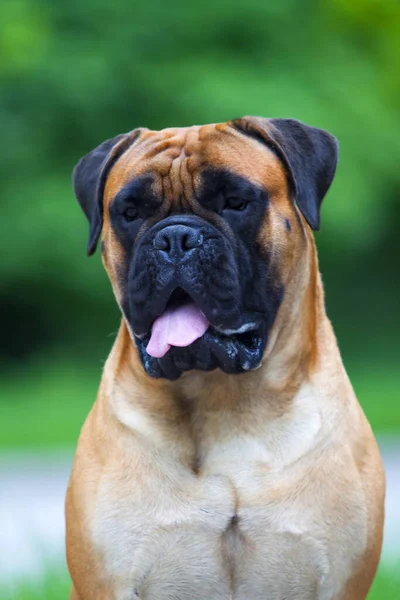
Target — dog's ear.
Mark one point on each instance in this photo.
(309, 155)
(89, 178)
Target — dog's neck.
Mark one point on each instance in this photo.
(296, 350)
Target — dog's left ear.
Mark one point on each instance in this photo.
(89, 178)
(309, 154)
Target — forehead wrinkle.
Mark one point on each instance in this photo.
(176, 156)
(154, 152)
(177, 183)
(187, 176)
(167, 190)
(170, 142)
(186, 183)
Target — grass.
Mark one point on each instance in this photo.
(386, 585)
(56, 586)
(45, 405)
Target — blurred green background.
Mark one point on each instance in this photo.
(75, 73)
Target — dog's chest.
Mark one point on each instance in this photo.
(242, 528)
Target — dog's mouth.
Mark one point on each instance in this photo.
(182, 338)
(179, 325)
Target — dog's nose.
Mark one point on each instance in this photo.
(177, 240)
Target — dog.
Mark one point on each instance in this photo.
(226, 456)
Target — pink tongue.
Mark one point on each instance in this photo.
(179, 326)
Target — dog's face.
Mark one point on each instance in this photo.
(201, 229)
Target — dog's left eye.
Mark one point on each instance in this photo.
(130, 214)
(236, 204)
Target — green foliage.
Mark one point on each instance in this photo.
(74, 73)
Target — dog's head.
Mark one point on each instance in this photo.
(201, 229)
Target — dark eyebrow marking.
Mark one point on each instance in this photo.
(224, 182)
(139, 188)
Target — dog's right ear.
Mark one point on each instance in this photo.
(89, 178)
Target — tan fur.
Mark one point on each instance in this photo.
(216, 486)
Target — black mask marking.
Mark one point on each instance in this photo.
(214, 260)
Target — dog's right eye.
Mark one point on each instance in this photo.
(236, 203)
(130, 214)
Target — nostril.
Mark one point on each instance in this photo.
(187, 242)
(162, 242)
(191, 240)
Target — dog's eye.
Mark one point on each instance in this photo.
(235, 203)
(130, 214)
